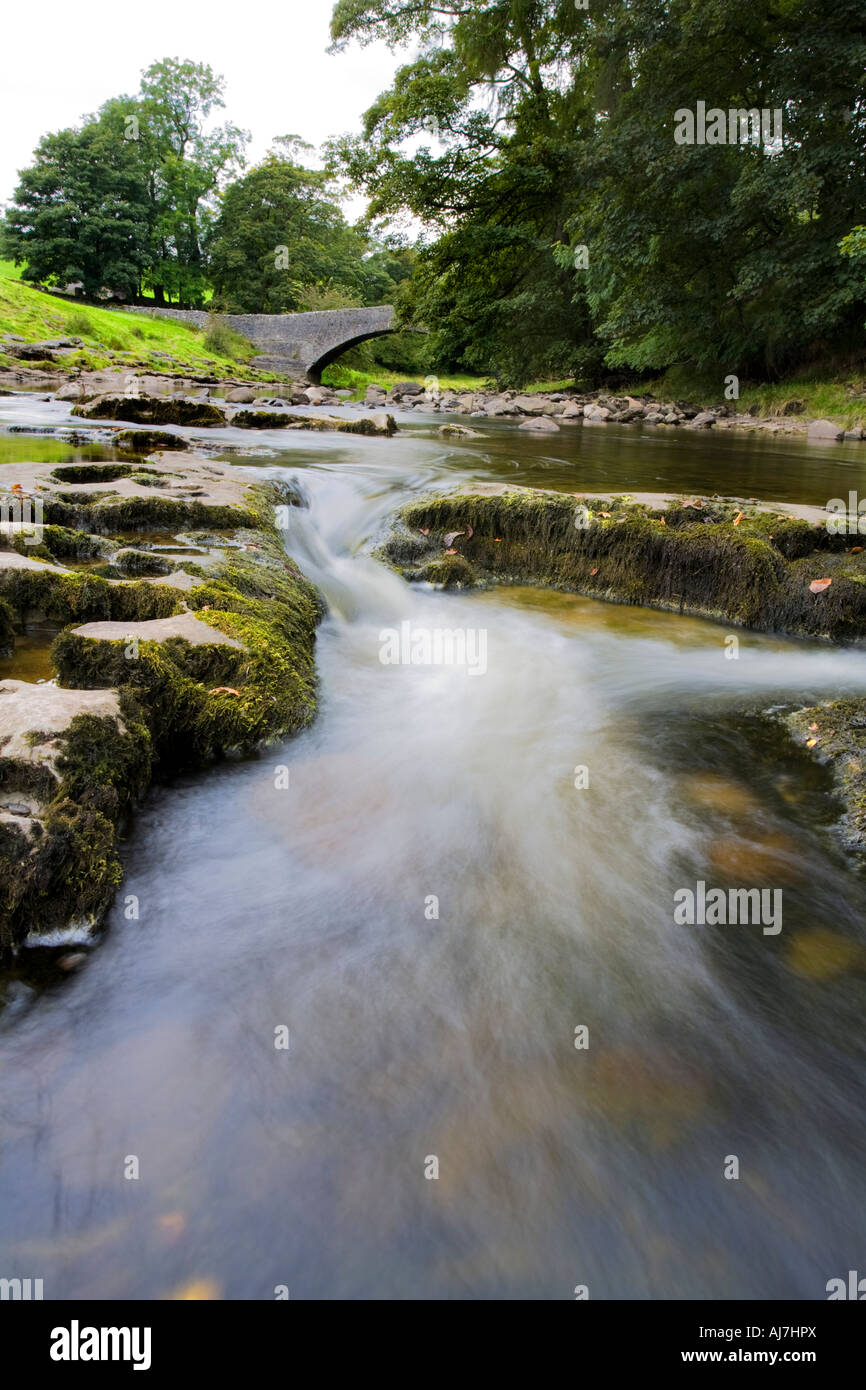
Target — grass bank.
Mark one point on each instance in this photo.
(112, 338)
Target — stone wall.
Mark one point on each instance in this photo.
(295, 344)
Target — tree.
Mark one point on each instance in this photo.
(281, 245)
(128, 199)
(564, 223)
(186, 164)
(81, 213)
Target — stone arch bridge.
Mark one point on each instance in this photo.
(296, 345)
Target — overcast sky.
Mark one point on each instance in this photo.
(63, 60)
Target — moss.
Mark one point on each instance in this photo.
(754, 574)
(135, 564)
(7, 627)
(151, 410)
(109, 518)
(91, 472)
(451, 572)
(62, 543)
(275, 419)
(67, 867)
(147, 441)
(83, 598)
(835, 733)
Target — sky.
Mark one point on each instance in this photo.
(63, 61)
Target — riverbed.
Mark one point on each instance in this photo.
(400, 1009)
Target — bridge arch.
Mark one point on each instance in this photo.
(298, 345)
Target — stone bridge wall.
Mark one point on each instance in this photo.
(295, 345)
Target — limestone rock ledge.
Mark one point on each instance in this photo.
(185, 662)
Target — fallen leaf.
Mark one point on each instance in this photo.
(16, 487)
(855, 549)
(662, 520)
(738, 518)
(813, 728)
(606, 514)
(469, 532)
(819, 585)
(424, 530)
(810, 742)
(224, 690)
(595, 571)
(452, 536)
(497, 540)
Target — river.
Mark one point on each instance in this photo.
(433, 895)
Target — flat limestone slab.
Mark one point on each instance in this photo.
(196, 632)
(11, 560)
(48, 708)
(189, 477)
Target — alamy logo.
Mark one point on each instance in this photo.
(855, 1288)
(22, 516)
(75, 1343)
(713, 907)
(737, 126)
(20, 1289)
(438, 646)
(846, 519)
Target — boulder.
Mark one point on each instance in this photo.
(596, 412)
(241, 395)
(499, 405)
(572, 411)
(853, 434)
(533, 405)
(542, 423)
(71, 391)
(703, 421)
(824, 429)
(409, 388)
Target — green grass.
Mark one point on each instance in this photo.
(113, 338)
(839, 398)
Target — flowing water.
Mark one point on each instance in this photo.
(438, 890)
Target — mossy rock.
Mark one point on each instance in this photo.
(151, 410)
(148, 441)
(451, 572)
(91, 472)
(756, 573)
(275, 419)
(66, 867)
(113, 516)
(80, 598)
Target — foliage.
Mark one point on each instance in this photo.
(555, 132)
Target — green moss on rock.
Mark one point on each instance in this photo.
(754, 574)
(151, 410)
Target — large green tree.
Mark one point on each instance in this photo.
(565, 223)
(82, 213)
(128, 199)
(282, 244)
